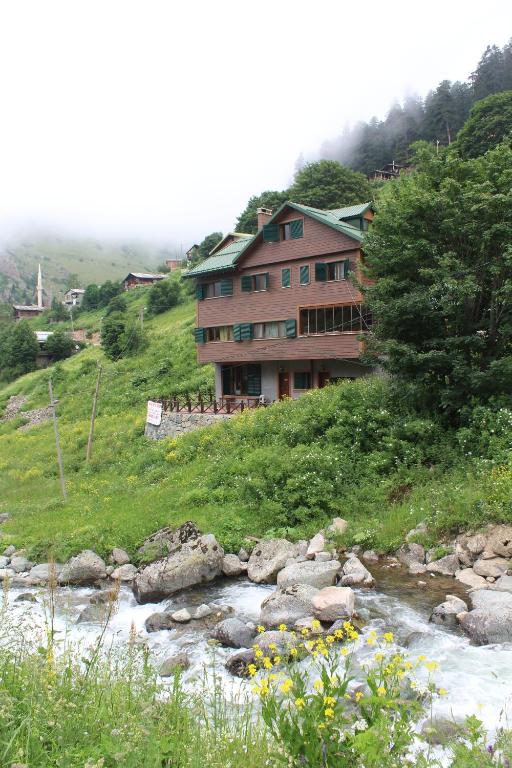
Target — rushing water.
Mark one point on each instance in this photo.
(478, 679)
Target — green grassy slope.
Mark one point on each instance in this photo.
(91, 260)
(348, 450)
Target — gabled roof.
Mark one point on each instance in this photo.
(145, 275)
(352, 211)
(75, 290)
(233, 235)
(28, 307)
(226, 258)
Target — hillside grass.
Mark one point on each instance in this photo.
(351, 450)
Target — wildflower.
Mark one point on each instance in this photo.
(260, 628)
(338, 634)
(372, 638)
(334, 680)
(432, 666)
(329, 639)
(379, 656)
(347, 626)
(272, 647)
(293, 651)
(388, 637)
(277, 659)
(286, 686)
(252, 669)
(360, 725)
(318, 685)
(300, 703)
(329, 701)
(315, 624)
(442, 692)
(422, 658)
(258, 653)
(381, 691)
(329, 712)
(345, 651)
(304, 631)
(267, 663)
(358, 696)
(282, 627)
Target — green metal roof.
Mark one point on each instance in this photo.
(351, 211)
(224, 259)
(328, 218)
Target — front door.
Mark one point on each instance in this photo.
(323, 379)
(284, 384)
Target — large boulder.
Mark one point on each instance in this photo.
(86, 568)
(494, 567)
(177, 663)
(469, 547)
(491, 619)
(4, 561)
(338, 527)
(468, 577)
(40, 574)
(20, 564)
(500, 541)
(6, 574)
(158, 621)
(233, 566)
(194, 562)
(119, 556)
(445, 566)
(355, 574)
(446, 613)
(268, 558)
(125, 572)
(238, 663)
(333, 603)
(287, 605)
(168, 540)
(503, 584)
(313, 572)
(233, 633)
(317, 544)
(411, 553)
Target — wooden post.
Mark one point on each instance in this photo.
(57, 441)
(93, 416)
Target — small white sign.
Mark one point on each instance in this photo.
(154, 413)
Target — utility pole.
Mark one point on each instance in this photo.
(141, 317)
(93, 416)
(57, 441)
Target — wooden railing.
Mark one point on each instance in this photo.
(202, 403)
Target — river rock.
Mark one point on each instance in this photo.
(491, 619)
(233, 633)
(503, 584)
(354, 573)
(10, 550)
(26, 597)
(268, 558)
(104, 596)
(125, 572)
(312, 572)
(445, 566)
(446, 613)
(238, 663)
(232, 565)
(243, 556)
(6, 574)
(411, 553)
(83, 569)
(4, 561)
(287, 604)
(495, 567)
(311, 624)
(283, 641)
(470, 578)
(317, 544)
(183, 616)
(420, 529)
(195, 562)
(40, 574)
(201, 612)
(415, 569)
(158, 621)
(500, 541)
(323, 557)
(371, 556)
(338, 526)
(94, 614)
(333, 603)
(178, 662)
(440, 731)
(119, 556)
(168, 540)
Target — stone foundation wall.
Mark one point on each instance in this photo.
(174, 424)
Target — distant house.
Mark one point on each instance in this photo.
(277, 312)
(26, 310)
(192, 252)
(134, 279)
(73, 297)
(174, 264)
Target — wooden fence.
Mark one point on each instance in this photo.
(201, 403)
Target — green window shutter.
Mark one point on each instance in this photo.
(286, 278)
(237, 332)
(320, 272)
(346, 268)
(245, 331)
(304, 275)
(200, 335)
(271, 233)
(226, 287)
(296, 229)
(200, 291)
(291, 328)
(246, 283)
(267, 280)
(254, 380)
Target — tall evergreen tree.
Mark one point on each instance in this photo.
(488, 77)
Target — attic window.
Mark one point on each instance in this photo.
(292, 230)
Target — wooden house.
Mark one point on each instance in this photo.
(134, 279)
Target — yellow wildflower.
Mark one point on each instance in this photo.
(359, 696)
(304, 631)
(347, 626)
(329, 639)
(422, 658)
(293, 651)
(329, 701)
(282, 627)
(277, 659)
(329, 712)
(300, 703)
(260, 628)
(267, 663)
(272, 647)
(432, 666)
(258, 653)
(388, 637)
(379, 656)
(318, 685)
(315, 624)
(286, 686)
(442, 692)
(252, 669)
(381, 691)
(345, 651)
(338, 634)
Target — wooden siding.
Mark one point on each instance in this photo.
(321, 347)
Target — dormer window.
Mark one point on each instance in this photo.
(292, 230)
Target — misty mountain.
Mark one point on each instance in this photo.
(70, 262)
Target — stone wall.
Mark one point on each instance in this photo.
(174, 424)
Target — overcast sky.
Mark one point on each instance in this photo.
(160, 118)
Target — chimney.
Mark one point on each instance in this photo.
(264, 215)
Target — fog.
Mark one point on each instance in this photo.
(159, 119)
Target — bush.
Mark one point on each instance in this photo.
(59, 345)
(164, 295)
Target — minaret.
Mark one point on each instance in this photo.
(39, 288)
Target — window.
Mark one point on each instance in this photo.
(258, 282)
(220, 333)
(292, 230)
(302, 380)
(275, 329)
(331, 270)
(304, 275)
(348, 318)
(241, 380)
(286, 278)
(218, 288)
(335, 270)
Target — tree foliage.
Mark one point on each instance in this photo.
(120, 335)
(327, 184)
(97, 296)
(164, 295)
(58, 311)
(59, 345)
(18, 350)
(489, 122)
(206, 245)
(248, 220)
(440, 251)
